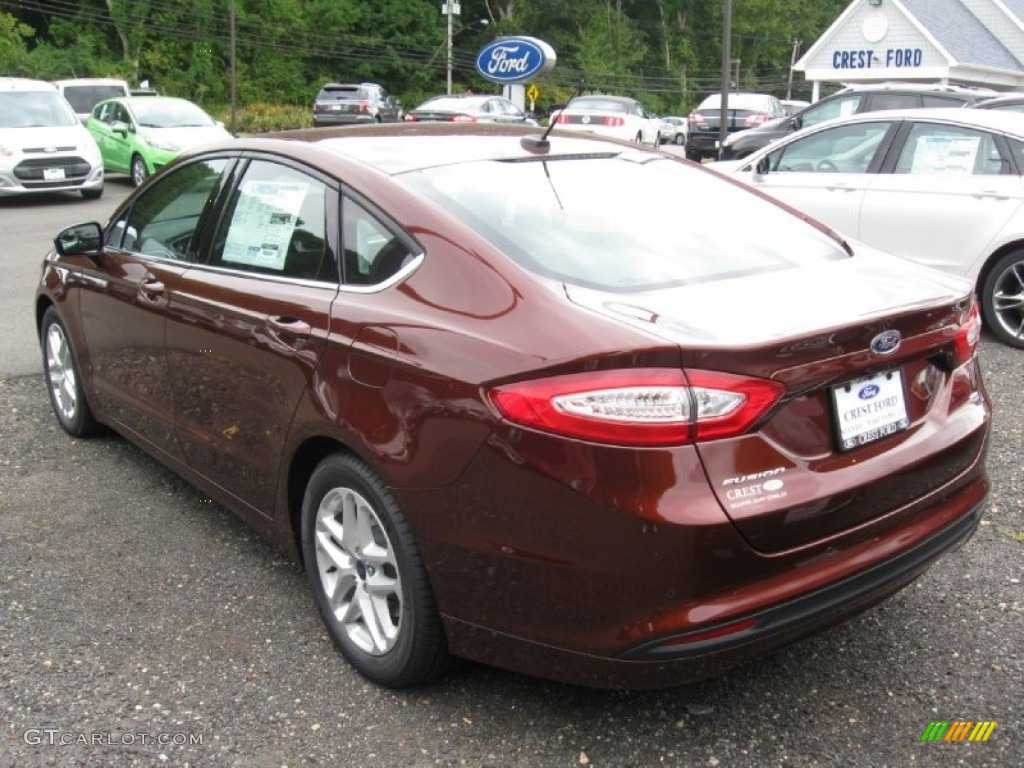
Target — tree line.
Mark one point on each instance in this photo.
(666, 52)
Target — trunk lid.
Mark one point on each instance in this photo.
(791, 480)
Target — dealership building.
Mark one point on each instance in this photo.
(968, 42)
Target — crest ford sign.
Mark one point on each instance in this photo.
(515, 59)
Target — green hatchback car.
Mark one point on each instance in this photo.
(138, 135)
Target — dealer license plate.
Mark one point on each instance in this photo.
(868, 409)
(53, 174)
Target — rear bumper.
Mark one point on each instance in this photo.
(663, 664)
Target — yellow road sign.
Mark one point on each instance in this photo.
(532, 93)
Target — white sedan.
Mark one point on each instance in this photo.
(619, 117)
(942, 187)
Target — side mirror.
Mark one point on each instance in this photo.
(762, 167)
(80, 240)
(796, 122)
(122, 128)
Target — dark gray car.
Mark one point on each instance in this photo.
(348, 104)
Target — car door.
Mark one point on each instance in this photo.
(947, 194)
(123, 300)
(825, 174)
(119, 138)
(248, 327)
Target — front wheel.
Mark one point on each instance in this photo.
(139, 171)
(680, 139)
(63, 381)
(1002, 299)
(367, 576)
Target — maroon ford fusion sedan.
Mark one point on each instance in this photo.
(505, 403)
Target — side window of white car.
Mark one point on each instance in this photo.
(843, 149)
(949, 150)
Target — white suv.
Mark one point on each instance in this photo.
(43, 146)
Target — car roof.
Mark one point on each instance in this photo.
(1005, 98)
(90, 81)
(397, 148)
(25, 84)
(900, 85)
(736, 99)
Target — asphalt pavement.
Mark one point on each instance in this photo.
(142, 625)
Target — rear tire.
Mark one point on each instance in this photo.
(63, 380)
(367, 576)
(1002, 299)
(680, 140)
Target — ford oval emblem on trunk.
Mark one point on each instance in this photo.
(886, 342)
(515, 59)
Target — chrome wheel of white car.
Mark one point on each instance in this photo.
(367, 575)
(1002, 298)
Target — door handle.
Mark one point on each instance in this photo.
(290, 326)
(992, 194)
(151, 289)
(839, 188)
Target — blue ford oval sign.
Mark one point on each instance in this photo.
(515, 59)
(886, 342)
(869, 391)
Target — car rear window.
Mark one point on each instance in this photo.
(342, 92)
(598, 104)
(612, 222)
(84, 97)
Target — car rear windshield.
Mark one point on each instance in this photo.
(342, 92)
(84, 97)
(34, 109)
(623, 222)
(598, 104)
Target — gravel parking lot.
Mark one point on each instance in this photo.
(141, 624)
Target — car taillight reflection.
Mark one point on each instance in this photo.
(756, 119)
(641, 407)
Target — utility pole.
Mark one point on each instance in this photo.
(449, 9)
(723, 127)
(792, 63)
(231, 33)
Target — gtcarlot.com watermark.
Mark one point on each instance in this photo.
(52, 737)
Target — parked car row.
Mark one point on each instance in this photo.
(47, 148)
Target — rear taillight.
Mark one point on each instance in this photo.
(562, 119)
(462, 119)
(696, 120)
(614, 121)
(410, 118)
(642, 407)
(965, 345)
(364, 106)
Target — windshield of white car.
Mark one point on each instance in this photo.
(34, 109)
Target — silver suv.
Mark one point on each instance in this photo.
(347, 104)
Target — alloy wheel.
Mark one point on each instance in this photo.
(358, 571)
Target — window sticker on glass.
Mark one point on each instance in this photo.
(263, 223)
(945, 154)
